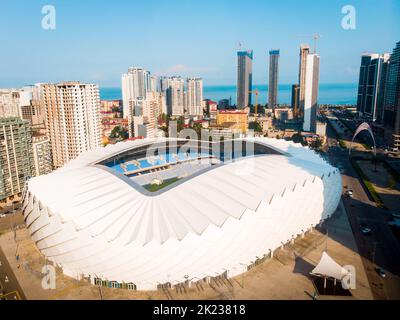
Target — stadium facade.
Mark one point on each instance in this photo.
(149, 213)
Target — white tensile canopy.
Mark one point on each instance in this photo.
(327, 267)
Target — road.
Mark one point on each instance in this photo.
(381, 248)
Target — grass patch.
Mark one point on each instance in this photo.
(368, 185)
(155, 187)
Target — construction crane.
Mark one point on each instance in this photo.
(315, 36)
(256, 92)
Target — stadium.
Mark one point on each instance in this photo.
(161, 212)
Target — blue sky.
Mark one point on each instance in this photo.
(96, 41)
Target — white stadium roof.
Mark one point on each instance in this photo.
(93, 221)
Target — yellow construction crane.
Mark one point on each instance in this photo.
(256, 92)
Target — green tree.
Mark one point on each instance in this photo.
(316, 144)
(256, 126)
(119, 133)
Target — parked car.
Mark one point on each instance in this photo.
(349, 193)
(366, 230)
(381, 272)
(2, 215)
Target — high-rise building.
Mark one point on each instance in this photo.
(136, 83)
(42, 155)
(244, 78)
(295, 100)
(9, 103)
(162, 84)
(31, 106)
(16, 157)
(371, 85)
(311, 93)
(143, 113)
(304, 52)
(194, 96)
(73, 119)
(273, 78)
(392, 99)
(175, 96)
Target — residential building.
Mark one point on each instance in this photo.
(234, 119)
(136, 83)
(273, 78)
(73, 119)
(16, 157)
(194, 98)
(142, 120)
(9, 103)
(175, 96)
(244, 78)
(42, 155)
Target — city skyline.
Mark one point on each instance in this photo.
(101, 59)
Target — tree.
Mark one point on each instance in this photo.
(256, 126)
(298, 138)
(197, 127)
(179, 123)
(119, 133)
(316, 144)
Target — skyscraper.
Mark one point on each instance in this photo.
(371, 85)
(175, 96)
(16, 157)
(304, 52)
(135, 83)
(244, 78)
(73, 119)
(311, 92)
(295, 100)
(273, 78)
(392, 99)
(194, 96)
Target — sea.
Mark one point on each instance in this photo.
(329, 93)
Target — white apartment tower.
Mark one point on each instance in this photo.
(73, 122)
(136, 83)
(194, 96)
(311, 92)
(175, 96)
